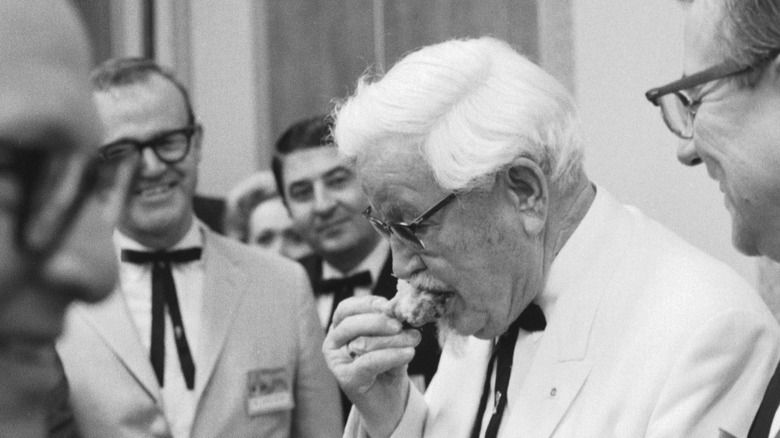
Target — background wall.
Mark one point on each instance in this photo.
(255, 66)
(622, 49)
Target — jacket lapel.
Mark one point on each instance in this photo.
(112, 321)
(563, 360)
(312, 264)
(559, 370)
(222, 294)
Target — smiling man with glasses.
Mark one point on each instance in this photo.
(205, 336)
(563, 312)
(728, 116)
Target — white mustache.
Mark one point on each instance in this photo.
(422, 282)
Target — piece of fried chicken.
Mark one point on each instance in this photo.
(417, 307)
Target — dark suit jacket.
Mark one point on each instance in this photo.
(211, 211)
(426, 355)
(59, 414)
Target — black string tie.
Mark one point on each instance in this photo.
(164, 295)
(531, 320)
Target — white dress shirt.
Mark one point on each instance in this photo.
(774, 431)
(179, 403)
(373, 263)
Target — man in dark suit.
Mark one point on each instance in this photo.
(211, 211)
(325, 202)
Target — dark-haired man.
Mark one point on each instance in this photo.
(325, 201)
(206, 337)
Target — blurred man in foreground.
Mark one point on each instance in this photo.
(206, 337)
(56, 203)
(726, 110)
(565, 313)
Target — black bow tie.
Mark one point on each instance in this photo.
(532, 319)
(178, 256)
(336, 285)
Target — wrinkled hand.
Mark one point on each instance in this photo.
(368, 352)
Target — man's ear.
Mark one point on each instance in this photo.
(773, 70)
(529, 191)
(196, 141)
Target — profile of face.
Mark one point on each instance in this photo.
(270, 227)
(325, 201)
(477, 246)
(48, 115)
(736, 135)
(159, 207)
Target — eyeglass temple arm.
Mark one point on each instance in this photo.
(435, 208)
(716, 72)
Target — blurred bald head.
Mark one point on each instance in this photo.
(44, 60)
(47, 119)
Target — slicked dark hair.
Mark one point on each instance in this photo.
(314, 132)
(119, 72)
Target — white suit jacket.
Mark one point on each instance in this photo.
(650, 338)
(259, 331)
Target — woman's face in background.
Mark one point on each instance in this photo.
(270, 227)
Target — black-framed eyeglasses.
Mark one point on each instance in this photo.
(679, 110)
(54, 187)
(170, 147)
(406, 231)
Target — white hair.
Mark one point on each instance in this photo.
(472, 107)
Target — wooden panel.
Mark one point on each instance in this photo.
(97, 20)
(413, 24)
(317, 51)
(556, 42)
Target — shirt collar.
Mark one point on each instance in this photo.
(192, 238)
(570, 266)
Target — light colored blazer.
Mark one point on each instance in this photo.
(258, 326)
(650, 338)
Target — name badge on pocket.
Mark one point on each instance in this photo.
(268, 390)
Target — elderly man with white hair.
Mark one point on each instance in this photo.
(563, 312)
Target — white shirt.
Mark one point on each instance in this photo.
(373, 263)
(179, 403)
(773, 431)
